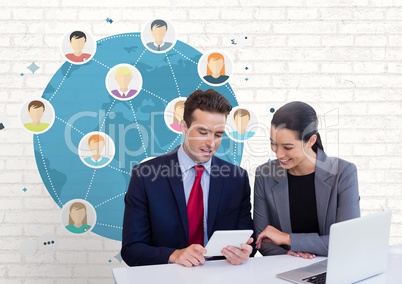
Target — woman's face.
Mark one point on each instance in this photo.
(178, 112)
(215, 65)
(293, 155)
(77, 215)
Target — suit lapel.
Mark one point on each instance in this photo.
(322, 181)
(322, 188)
(281, 198)
(215, 191)
(176, 183)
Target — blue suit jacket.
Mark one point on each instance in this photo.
(155, 217)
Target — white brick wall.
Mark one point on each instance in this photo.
(334, 54)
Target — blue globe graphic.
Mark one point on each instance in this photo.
(137, 127)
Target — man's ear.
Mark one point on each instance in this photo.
(183, 127)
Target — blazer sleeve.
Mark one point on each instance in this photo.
(348, 207)
(245, 221)
(136, 248)
(262, 217)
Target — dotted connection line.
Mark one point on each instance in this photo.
(71, 126)
(231, 91)
(174, 141)
(100, 63)
(117, 36)
(155, 95)
(90, 184)
(119, 170)
(61, 83)
(199, 85)
(174, 76)
(234, 153)
(139, 130)
(110, 199)
(110, 226)
(47, 172)
(186, 57)
(106, 115)
(139, 58)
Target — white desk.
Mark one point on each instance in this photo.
(256, 270)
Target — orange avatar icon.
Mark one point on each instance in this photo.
(216, 69)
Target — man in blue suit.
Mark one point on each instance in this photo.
(156, 218)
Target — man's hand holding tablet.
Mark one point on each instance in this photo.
(232, 244)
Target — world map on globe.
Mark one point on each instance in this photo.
(137, 126)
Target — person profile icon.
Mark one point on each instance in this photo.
(241, 118)
(78, 40)
(178, 112)
(173, 114)
(158, 31)
(216, 69)
(123, 82)
(96, 150)
(36, 109)
(96, 144)
(37, 116)
(77, 219)
(158, 36)
(123, 77)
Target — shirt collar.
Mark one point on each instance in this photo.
(163, 43)
(121, 93)
(96, 161)
(186, 163)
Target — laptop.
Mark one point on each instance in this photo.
(358, 249)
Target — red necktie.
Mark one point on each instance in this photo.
(195, 210)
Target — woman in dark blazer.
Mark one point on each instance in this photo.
(298, 196)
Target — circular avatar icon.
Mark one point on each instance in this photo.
(123, 82)
(78, 47)
(78, 216)
(215, 68)
(37, 116)
(158, 36)
(241, 124)
(174, 114)
(136, 126)
(96, 150)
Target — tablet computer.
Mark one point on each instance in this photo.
(221, 239)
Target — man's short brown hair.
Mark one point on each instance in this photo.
(36, 104)
(210, 101)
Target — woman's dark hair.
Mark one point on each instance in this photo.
(210, 101)
(301, 118)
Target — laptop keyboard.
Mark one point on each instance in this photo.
(316, 279)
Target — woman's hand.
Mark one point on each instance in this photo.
(272, 235)
(306, 255)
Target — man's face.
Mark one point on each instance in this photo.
(36, 113)
(123, 80)
(158, 33)
(203, 137)
(241, 122)
(96, 147)
(77, 44)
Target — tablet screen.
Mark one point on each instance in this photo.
(221, 239)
